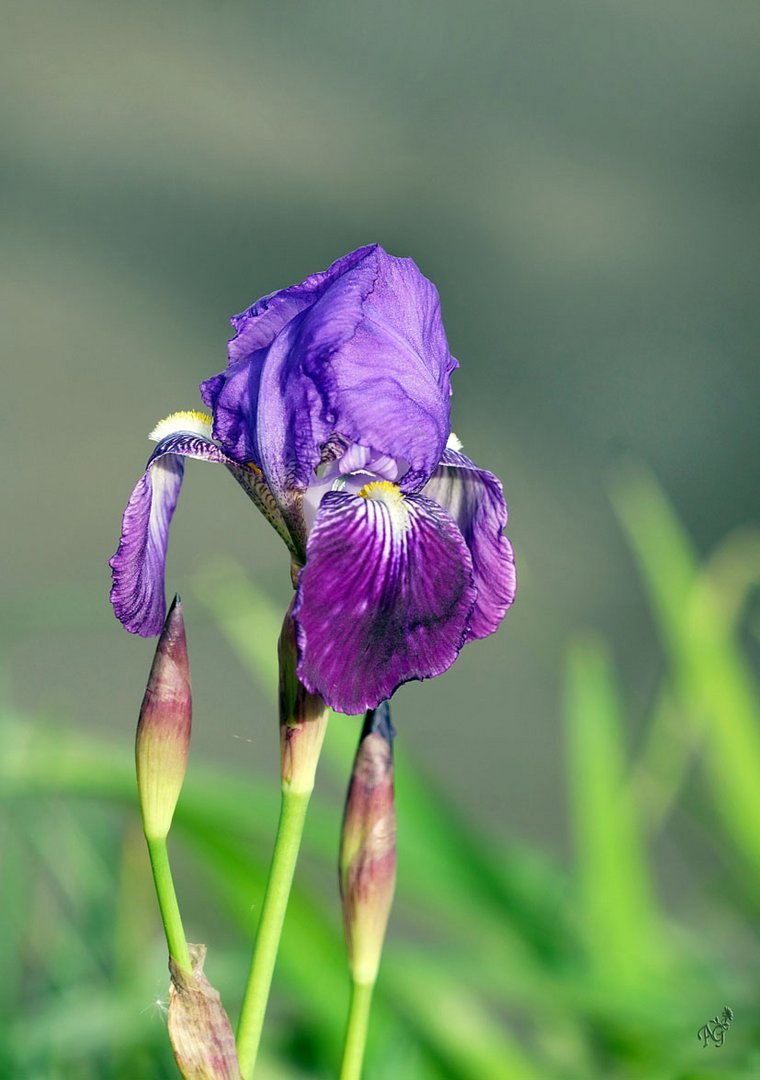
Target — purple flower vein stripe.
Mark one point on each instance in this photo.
(385, 597)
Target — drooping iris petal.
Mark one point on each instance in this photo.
(475, 499)
(385, 596)
(358, 351)
(137, 593)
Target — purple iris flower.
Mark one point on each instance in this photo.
(333, 415)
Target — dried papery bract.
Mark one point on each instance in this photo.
(367, 872)
(201, 1036)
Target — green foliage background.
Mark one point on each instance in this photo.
(578, 813)
(502, 962)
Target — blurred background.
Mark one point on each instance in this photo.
(579, 824)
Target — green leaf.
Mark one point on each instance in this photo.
(714, 687)
(615, 892)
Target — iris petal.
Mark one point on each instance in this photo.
(357, 351)
(233, 395)
(385, 596)
(475, 499)
(137, 593)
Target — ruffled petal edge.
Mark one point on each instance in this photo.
(475, 499)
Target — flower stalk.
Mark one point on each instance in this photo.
(303, 722)
(367, 874)
(171, 918)
(161, 751)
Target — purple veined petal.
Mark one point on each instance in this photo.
(475, 499)
(137, 593)
(385, 596)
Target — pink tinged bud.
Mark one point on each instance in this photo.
(303, 718)
(368, 847)
(163, 730)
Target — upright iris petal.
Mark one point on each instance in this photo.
(359, 350)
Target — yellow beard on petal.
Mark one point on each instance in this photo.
(199, 423)
(391, 496)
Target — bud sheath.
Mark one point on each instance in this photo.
(368, 847)
(303, 718)
(163, 730)
(200, 1033)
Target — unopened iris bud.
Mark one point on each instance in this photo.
(368, 846)
(303, 718)
(163, 731)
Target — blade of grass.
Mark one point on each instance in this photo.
(663, 763)
(734, 570)
(672, 742)
(457, 1027)
(61, 936)
(17, 891)
(615, 890)
(712, 680)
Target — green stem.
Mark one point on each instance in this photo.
(167, 901)
(356, 1031)
(288, 841)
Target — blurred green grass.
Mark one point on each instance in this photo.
(502, 962)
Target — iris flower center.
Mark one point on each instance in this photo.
(360, 471)
(382, 491)
(392, 498)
